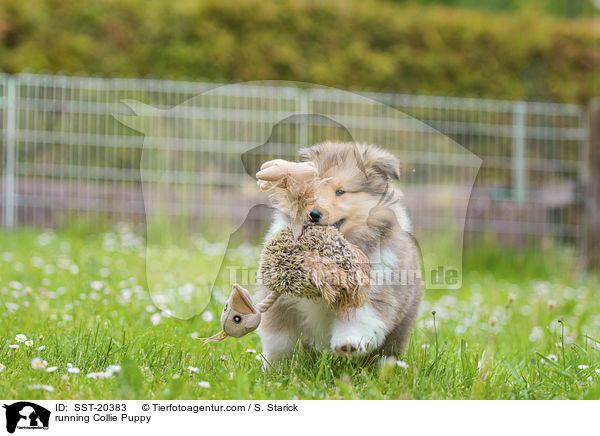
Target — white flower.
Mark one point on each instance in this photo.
(96, 285)
(43, 347)
(192, 369)
(207, 316)
(93, 375)
(37, 363)
(13, 346)
(2, 367)
(204, 384)
(73, 370)
(194, 335)
(155, 319)
(553, 357)
(29, 343)
(69, 365)
(402, 364)
(424, 346)
(44, 387)
(231, 376)
(51, 368)
(250, 350)
(20, 338)
(583, 366)
(114, 368)
(598, 371)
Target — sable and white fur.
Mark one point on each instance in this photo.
(359, 196)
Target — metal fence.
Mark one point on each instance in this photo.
(65, 156)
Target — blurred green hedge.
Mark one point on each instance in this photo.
(362, 45)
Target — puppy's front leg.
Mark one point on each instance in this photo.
(358, 332)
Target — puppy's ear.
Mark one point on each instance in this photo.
(381, 162)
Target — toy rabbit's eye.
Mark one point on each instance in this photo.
(237, 319)
(225, 308)
(340, 192)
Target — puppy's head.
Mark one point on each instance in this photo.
(357, 193)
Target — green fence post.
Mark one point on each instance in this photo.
(519, 167)
(11, 146)
(592, 193)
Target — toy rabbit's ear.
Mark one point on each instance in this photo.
(240, 300)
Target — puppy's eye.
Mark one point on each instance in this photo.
(237, 319)
(340, 192)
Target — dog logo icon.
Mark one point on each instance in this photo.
(26, 415)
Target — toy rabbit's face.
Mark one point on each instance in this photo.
(239, 316)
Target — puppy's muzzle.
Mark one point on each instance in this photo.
(315, 216)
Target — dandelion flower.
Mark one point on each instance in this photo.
(536, 334)
(204, 384)
(51, 368)
(20, 338)
(207, 316)
(37, 363)
(29, 343)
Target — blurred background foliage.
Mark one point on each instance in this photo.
(515, 49)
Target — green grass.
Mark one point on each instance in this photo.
(498, 338)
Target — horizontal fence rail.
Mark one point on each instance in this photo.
(65, 155)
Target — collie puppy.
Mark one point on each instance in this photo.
(358, 195)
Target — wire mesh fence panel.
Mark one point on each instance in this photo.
(93, 149)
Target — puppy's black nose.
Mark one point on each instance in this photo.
(315, 216)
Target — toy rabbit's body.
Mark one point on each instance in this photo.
(359, 198)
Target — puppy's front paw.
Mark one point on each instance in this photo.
(360, 333)
(353, 345)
